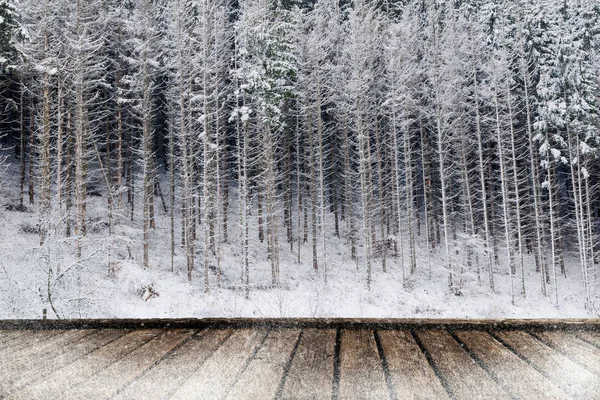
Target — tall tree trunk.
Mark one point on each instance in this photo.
(426, 193)
(517, 194)
(505, 199)
(365, 187)
(22, 144)
(80, 165)
(482, 180)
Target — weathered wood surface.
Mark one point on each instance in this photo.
(590, 337)
(167, 376)
(568, 375)
(261, 378)
(311, 372)
(107, 382)
(576, 349)
(19, 375)
(65, 380)
(219, 373)
(6, 336)
(361, 369)
(412, 376)
(516, 376)
(22, 344)
(283, 362)
(465, 378)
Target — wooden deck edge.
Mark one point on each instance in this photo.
(324, 323)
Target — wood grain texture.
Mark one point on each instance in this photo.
(107, 382)
(590, 337)
(311, 372)
(220, 371)
(56, 358)
(569, 376)
(23, 344)
(63, 381)
(466, 379)
(515, 374)
(15, 362)
(410, 372)
(169, 374)
(7, 336)
(361, 369)
(574, 348)
(261, 378)
(289, 363)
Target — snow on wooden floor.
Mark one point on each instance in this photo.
(341, 360)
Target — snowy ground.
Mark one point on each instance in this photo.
(29, 273)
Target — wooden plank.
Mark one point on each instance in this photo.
(169, 374)
(311, 372)
(107, 382)
(7, 336)
(574, 348)
(566, 374)
(410, 372)
(57, 384)
(14, 363)
(43, 347)
(32, 370)
(465, 378)
(23, 343)
(590, 337)
(361, 369)
(220, 371)
(260, 380)
(515, 374)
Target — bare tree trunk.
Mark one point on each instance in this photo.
(147, 162)
(31, 150)
(517, 195)
(505, 199)
(441, 156)
(321, 182)
(398, 196)
(365, 186)
(580, 218)
(426, 191)
(187, 197)
(482, 180)
(261, 231)
(45, 179)
(171, 189)
(313, 189)
(120, 171)
(59, 144)
(409, 199)
(552, 217)
(380, 193)
(348, 195)
(299, 183)
(80, 165)
(70, 175)
(540, 259)
(22, 145)
(470, 224)
(246, 207)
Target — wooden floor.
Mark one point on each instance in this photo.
(283, 362)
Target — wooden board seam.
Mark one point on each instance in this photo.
(484, 366)
(288, 367)
(433, 365)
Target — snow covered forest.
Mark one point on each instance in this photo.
(299, 158)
